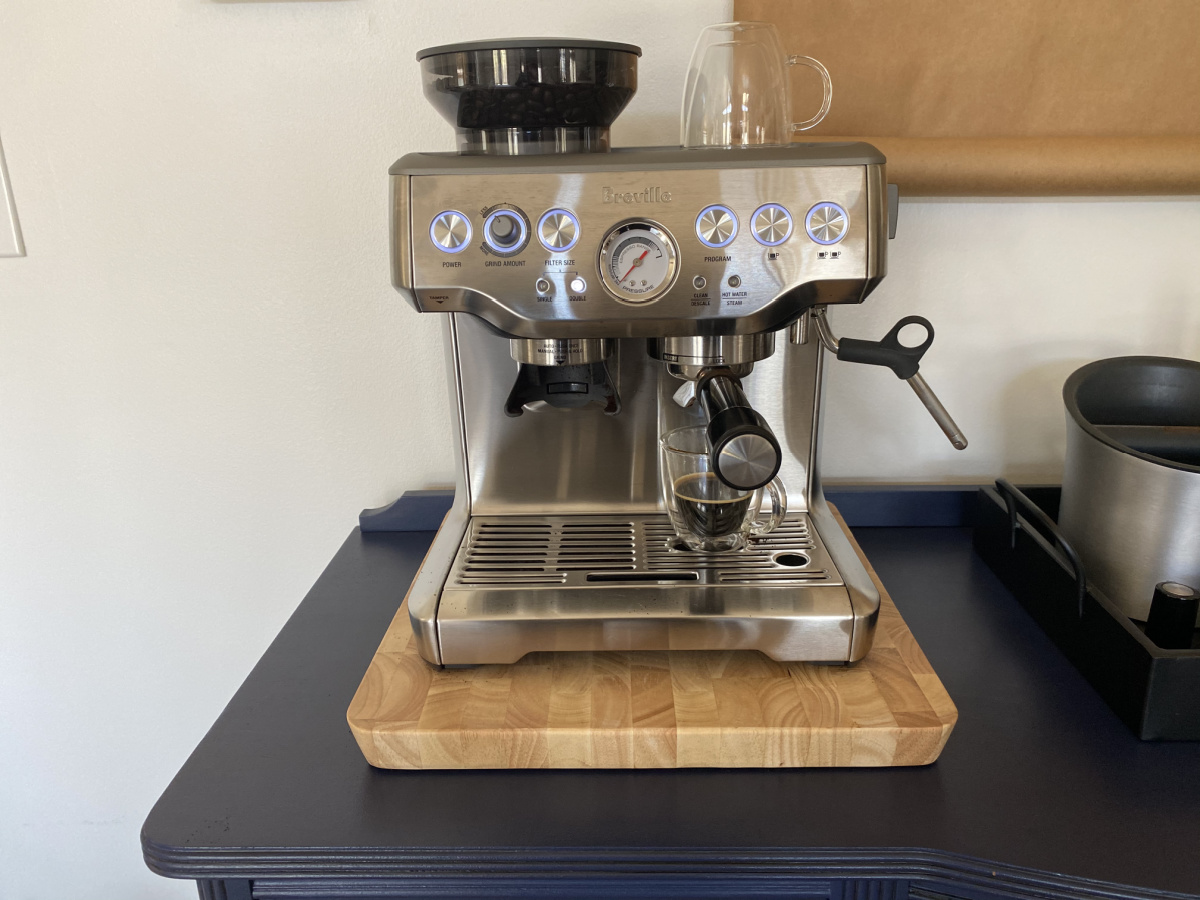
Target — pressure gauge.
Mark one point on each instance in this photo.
(638, 261)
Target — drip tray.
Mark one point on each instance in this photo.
(522, 583)
(531, 552)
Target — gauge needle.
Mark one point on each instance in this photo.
(636, 263)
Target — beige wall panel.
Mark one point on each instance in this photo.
(1019, 97)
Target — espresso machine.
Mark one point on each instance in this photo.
(594, 298)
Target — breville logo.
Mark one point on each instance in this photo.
(647, 195)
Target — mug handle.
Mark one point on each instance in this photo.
(778, 508)
(826, 81)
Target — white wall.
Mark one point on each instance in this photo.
(204, 373)
(1020, 293)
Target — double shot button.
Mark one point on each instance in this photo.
(826, 223)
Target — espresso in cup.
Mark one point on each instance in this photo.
(710, 516)
(703, 508)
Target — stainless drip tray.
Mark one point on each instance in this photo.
(532, 552)
(526, 583)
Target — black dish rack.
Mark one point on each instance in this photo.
(1155, 692)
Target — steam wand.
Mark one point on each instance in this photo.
(904, 361)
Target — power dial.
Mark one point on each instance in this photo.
(450, 231)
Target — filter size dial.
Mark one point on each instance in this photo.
(638, 261)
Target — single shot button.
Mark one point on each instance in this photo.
(771, 224)
(542, 286)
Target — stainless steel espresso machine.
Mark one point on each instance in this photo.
(595, 298)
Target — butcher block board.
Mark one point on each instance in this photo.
(653, 709)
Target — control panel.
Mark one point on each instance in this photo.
(627, 253)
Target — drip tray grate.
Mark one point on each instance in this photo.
(603, 551)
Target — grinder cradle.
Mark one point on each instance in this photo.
(653, 709)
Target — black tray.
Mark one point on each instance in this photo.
(1155, 692)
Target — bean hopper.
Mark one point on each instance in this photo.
(594, 298)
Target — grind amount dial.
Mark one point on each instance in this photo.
(638, 261)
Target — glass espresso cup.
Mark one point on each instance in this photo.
(709, 515)
(737, 92)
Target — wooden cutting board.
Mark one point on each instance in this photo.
(653, 709)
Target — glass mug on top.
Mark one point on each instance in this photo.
(709, 515)
(737, 92)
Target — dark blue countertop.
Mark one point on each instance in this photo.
(1040, 792)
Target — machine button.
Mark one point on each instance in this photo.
(578, 285)
(716, 226)
(771, 224)
(505, 232)
(450, 231)
(542, 286)
(558, 230)
(699, 282)
(735, 281)
(826, 223)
